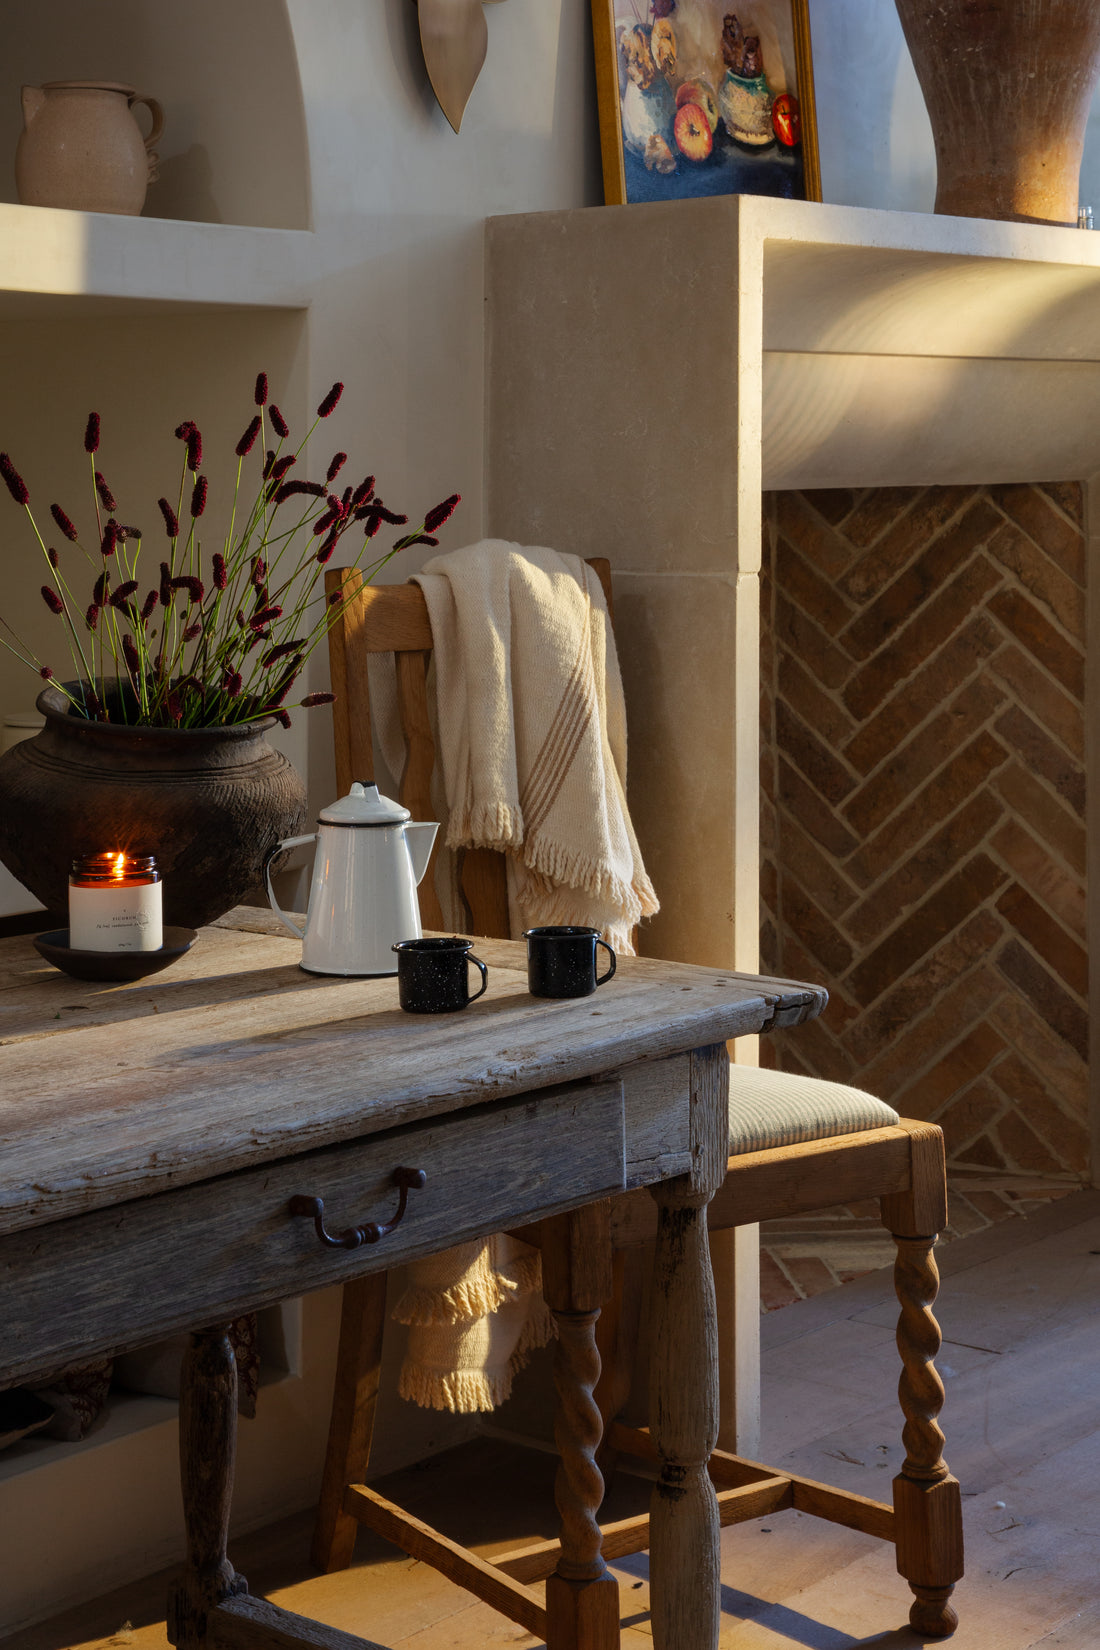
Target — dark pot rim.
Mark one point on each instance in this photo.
(53, 705)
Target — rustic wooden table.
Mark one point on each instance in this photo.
(153, 1137)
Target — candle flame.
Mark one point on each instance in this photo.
(118, 870)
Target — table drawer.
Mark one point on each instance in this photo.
(115, 1278)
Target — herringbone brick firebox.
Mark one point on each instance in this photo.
(923, 804)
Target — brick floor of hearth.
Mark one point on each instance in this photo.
(807, 1255)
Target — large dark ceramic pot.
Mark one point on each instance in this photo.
(1008, 85)
(209, 802)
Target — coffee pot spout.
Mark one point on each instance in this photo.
(421, 841)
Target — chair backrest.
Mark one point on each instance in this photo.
(393, 618)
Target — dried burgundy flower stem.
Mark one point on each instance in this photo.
(171, 520)
(17, 487)
(64, 525)
(441, 513)
(201, 663)
(248, 439)
(328, 405)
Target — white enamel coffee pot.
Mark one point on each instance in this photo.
(362, 899)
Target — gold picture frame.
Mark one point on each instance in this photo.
(705, 97)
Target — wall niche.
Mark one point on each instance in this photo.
(234, 144)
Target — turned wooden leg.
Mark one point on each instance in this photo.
(582, 1598)
(927, 1501)
(683, 1423)
(351, 1425)
(683, 1385)
(208, 1447)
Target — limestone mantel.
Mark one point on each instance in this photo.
(650, 370)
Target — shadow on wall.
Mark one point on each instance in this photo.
(876, 141)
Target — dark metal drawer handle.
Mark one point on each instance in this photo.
(371, 1231)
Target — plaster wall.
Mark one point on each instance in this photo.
(396, 203)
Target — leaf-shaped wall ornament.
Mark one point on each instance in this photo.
(454, 36)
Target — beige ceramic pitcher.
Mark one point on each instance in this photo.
(81, 147)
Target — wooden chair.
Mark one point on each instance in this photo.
(808, 1145)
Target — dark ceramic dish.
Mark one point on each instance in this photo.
(112, 965)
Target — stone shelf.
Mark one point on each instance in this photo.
(96, 264)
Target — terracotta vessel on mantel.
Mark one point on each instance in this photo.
(81, 147)
(1008, 85)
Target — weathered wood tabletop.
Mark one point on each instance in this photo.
(235, 1057)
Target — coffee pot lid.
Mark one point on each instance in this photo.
(364, 806)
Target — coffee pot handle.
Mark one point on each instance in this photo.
(269, 860)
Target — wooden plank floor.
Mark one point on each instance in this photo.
(1021, 1360)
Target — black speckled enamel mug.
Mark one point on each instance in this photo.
(561, 962)
(433, 976)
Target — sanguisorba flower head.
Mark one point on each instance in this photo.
(16, 486)
(63, 523)
(248, 439)
(91, 433)
(260, 393)
(328, 405)
(435, 518)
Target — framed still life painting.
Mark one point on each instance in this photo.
(705, 97)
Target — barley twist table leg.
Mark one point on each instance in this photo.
(578, 1429)
(582, 1598)
(208, 1446)
(927, 1502)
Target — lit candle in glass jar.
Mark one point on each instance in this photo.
(115, 903)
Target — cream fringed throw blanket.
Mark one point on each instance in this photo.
(532, 740)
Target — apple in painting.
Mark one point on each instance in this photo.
(700, 92)
(692, 132)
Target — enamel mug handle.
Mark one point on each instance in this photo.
(272, 855)
(603, 978)
(477, 962)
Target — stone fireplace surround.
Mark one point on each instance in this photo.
(909, 405)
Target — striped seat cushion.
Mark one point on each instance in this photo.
(775, 1108)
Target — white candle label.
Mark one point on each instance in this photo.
(116, 919)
